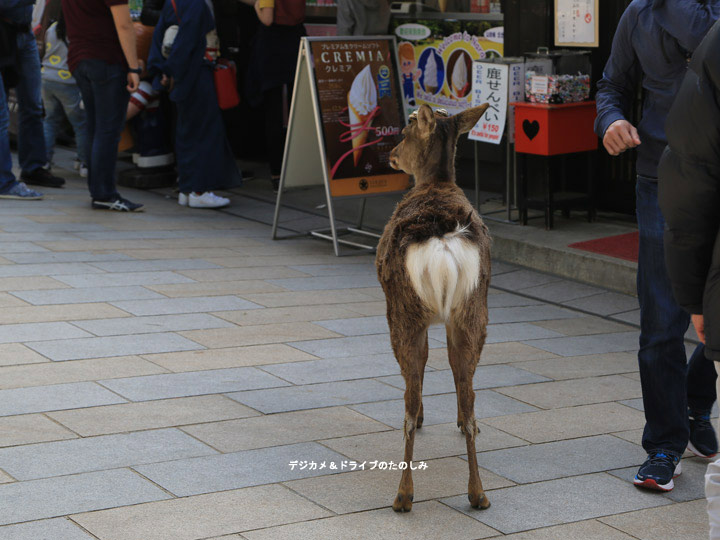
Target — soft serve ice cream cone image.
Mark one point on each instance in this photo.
(459, 82)
(362, 102)
(430, 77)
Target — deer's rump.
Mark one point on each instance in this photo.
(444, 247)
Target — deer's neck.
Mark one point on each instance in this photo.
(438, 170)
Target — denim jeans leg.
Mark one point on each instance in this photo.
(53, 118)
(701, 378)
(72, 103)
(103, 90)
(7, 178)
(31, 140)
(662, 357)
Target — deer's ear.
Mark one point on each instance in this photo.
(425, 120)
(468, 118)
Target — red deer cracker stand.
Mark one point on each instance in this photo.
(554, 130)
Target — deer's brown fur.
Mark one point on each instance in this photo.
(433, 230)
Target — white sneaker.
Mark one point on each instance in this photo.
(207, 200)
(182, 199)
(83, 171)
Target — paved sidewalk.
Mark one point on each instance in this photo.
(160, 372)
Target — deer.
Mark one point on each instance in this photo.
(433, 262)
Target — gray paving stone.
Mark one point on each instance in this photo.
(44, 460)
(51, 529)
(283, 428)
(336, 269)
(584, 326)
(442, 409)
(240, 469)
(585, 345)
(157, 265)
(503, 299)
(519, 314)
(686, 521)
(326, 282)
(430, 520)
(15, 333)
(335, 369)
(442, 382)
(351, 346)
(196, 517)
(312, 396)
(540, 462)
(503, 333)
(499, 267)
(152, 324)
(580, 530)
(194, 383)
(55, 398)
(31, 428)
(562, 291)
(607, 303)
(70, 256)
(86, 296)
(20, 247)
(56, 269)
(172, 306)
(576, 367)
(521, 279)
(558, 501)
(632, 317)
(689, 486)
(122, 279)
(103, 347)
(53, 497)
(360, 326)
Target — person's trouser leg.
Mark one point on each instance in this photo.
(53, 118)
(712, 487)
(103, 90)
(7, 178)
(31, 140)
(701, 377)
(72, 103)
(662, 357)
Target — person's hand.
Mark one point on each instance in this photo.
(699, 324)
(620, 136)
(167, 82)
(133, 82)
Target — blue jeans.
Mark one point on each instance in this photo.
(64, 99)
(669, 382)
(31, 142)
(103, 88)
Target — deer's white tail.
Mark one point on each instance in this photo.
(444, 271)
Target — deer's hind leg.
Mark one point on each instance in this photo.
(411, 348)
(463, 353)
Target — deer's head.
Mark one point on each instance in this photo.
(427, 150)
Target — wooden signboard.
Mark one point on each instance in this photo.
(346, 116)
(576, 23)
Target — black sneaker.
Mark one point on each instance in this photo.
(658, 471)
(703, 442)
(119, 204)
(42, 177)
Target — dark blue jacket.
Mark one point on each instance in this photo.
(17, 11)
(652, 44)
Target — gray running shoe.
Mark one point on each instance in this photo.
(21, 192)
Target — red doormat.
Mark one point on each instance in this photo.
(622, 246)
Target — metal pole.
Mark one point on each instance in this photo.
(477, 176)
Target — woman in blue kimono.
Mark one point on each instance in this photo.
(204, 159)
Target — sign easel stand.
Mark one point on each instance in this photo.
(510, 185)
(305, 159)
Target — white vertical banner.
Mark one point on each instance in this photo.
(575, 22)
(490, 85)
(516, 92)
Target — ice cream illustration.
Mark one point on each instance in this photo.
(430, 71)
(442, 4)
(362, 102)
(459, 81)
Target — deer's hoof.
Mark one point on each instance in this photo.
(479, 501)
(403, 503)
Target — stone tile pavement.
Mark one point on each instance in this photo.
(160, 371)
